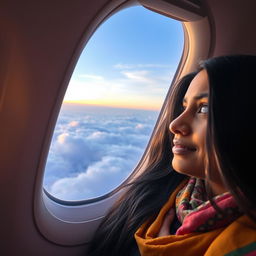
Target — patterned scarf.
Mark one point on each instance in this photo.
(232, 238)
(197, 214)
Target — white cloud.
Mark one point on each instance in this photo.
(99, 179)
(141, 76)
(93, 152)
(136, 66)
(73, 123)
(97, 135)
(62, 138)
(141, 83)
(86, 90)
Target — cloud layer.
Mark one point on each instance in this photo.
(94, 149)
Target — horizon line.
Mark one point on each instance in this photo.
(110, 106)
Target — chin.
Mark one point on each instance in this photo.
(186, 170)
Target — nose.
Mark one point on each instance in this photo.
(180, 126)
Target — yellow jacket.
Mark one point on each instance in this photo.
(238, 238)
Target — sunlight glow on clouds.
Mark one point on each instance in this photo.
(130, 88)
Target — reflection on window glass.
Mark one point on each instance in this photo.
(111, 104)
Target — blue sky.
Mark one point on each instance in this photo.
(129, 61)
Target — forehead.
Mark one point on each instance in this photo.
(198, 85)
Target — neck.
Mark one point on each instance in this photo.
(217, 188)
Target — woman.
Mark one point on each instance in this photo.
(196, 195)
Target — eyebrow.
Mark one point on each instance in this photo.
(198, 97)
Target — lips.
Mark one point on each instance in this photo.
(180, 148)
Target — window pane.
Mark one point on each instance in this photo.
(112, 103)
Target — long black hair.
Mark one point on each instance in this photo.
(146, 194)
(230, 138)
(231, 133)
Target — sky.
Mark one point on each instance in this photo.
(129, 61)
(112, 103)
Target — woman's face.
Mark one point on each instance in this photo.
(189, 129)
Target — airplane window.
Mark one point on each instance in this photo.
(112, 103)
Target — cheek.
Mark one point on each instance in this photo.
(199, 138)
(201, 153)
(194, 163)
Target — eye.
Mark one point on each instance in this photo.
(203, 109)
